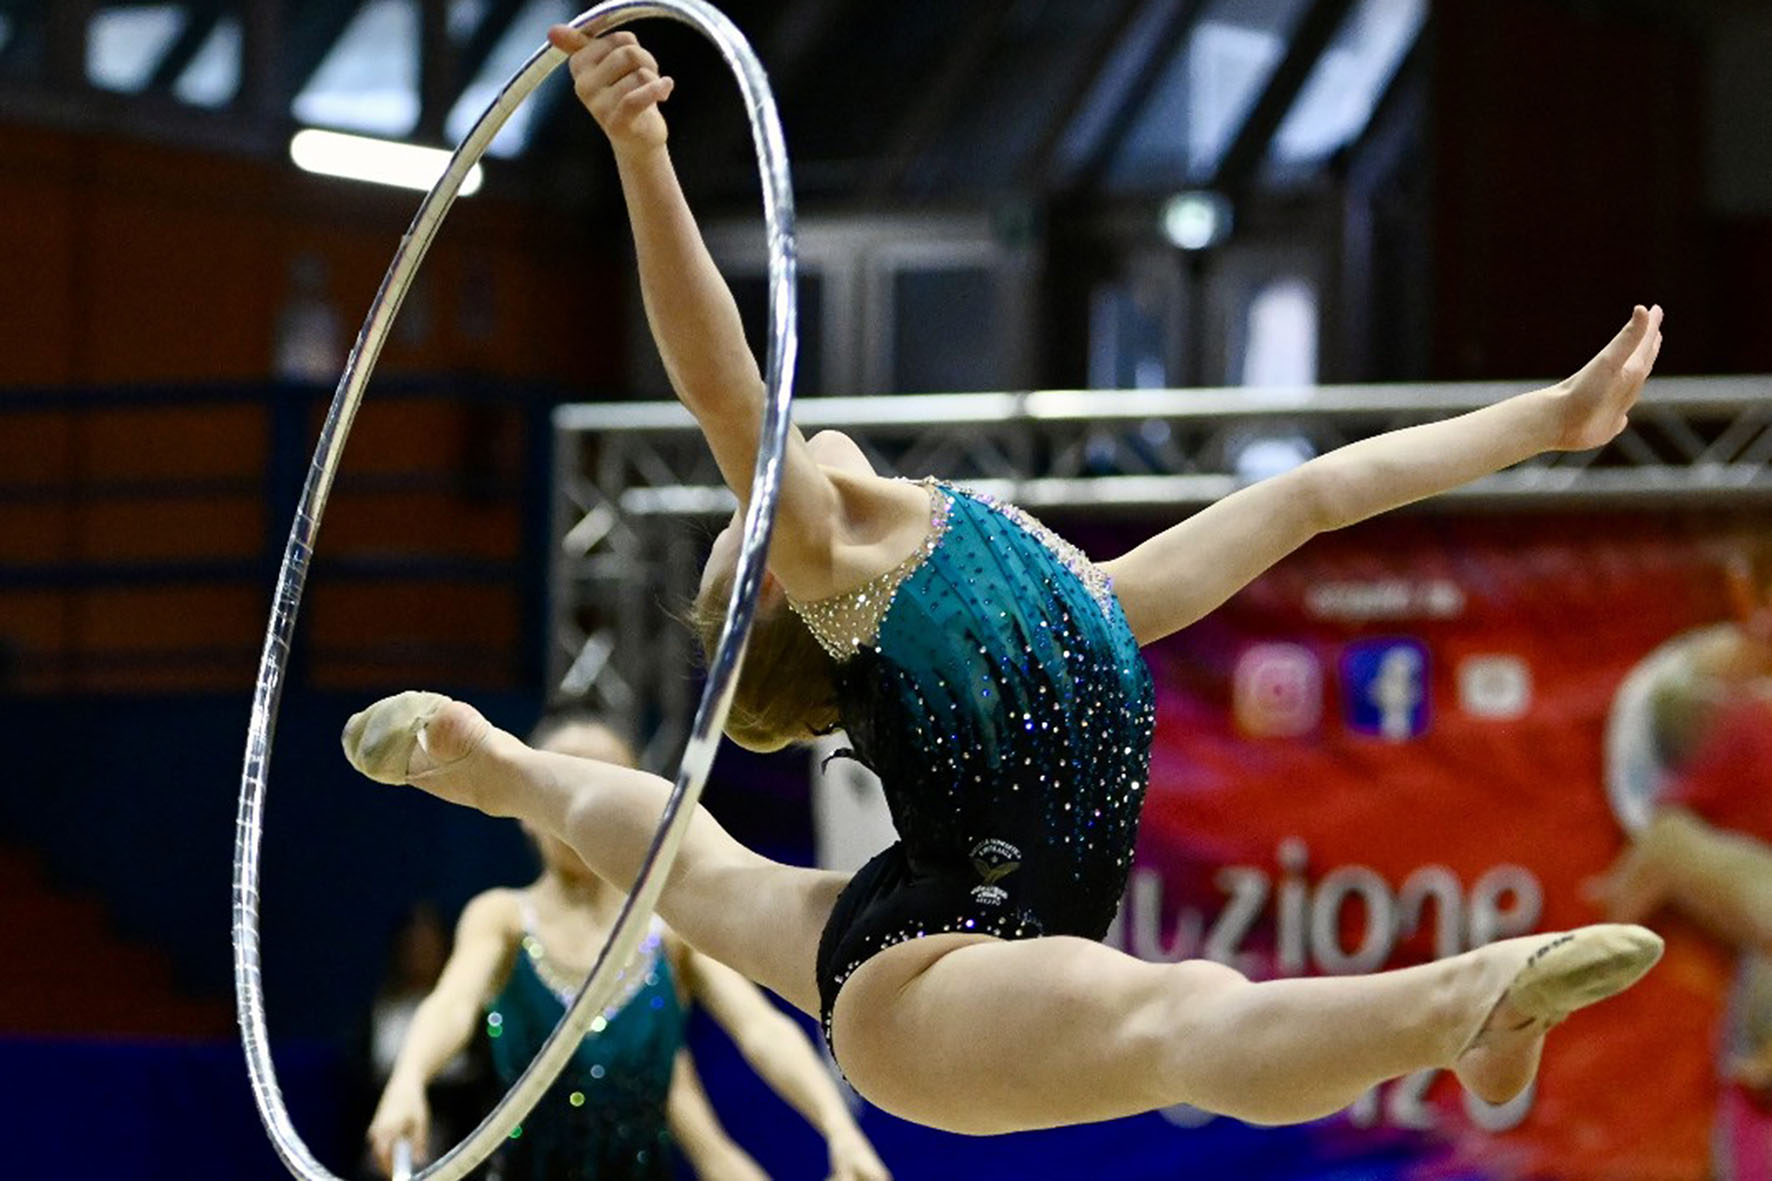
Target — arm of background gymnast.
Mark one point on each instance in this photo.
(693, 316)
(712, 1153)
(779, 1052)
(1186, 571)
(443, 1024)
(1721, 879)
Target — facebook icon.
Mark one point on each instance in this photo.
(1384, 688)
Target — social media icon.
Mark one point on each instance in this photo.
(1498, 687)
(1277, 691)
(1385, 688)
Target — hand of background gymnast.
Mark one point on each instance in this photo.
(618, 82)
(404, 1113)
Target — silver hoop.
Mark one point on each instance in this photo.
(698, 754)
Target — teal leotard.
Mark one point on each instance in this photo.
(994, 685)
(604, 1118)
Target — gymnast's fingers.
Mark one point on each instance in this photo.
(603, 99)
(639, 100)
(611, 67)
(595, 51)
(615, 64)
(566, 39)
(1620, 348)
(629, 96)
(1650, 348)
(645, 58)
(1636, 367)
(381, 1148)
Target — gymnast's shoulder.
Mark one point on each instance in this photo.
(495, 912)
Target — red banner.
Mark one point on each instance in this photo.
(1392, 748)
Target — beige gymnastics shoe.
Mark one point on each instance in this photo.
(1555, 975)
(380, 740)
(1579, 968)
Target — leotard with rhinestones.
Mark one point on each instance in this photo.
(604, 1118)
(993, 684)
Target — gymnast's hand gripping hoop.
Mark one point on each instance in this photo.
(698, 754)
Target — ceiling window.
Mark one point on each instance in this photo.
(369, 81)
(526, 34)
(1110, 89)
(1345, 85)
(123, 45)
(212, 78)
(1207, 91)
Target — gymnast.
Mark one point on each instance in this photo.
(990, 673)
(630, 1089)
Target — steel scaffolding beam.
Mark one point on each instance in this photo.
(637, 491)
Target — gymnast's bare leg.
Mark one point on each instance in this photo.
(758, 916)
(979, 1035)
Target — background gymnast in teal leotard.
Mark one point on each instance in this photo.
(630, 1092)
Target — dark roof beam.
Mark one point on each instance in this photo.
(264, 90)
(799, 31)
(478, 47)
(923, 122)
(439, 81)
(308, 38)
(1241, 161)
(64, 30)
(1096, 60)
(1172, 40)
(26, 41)
(201, 21)
(1399, 108)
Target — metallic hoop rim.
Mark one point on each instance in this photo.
(698, 754)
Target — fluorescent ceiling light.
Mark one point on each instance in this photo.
(356, 157)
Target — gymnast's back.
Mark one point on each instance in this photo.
(992, 682)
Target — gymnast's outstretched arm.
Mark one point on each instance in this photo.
(485, 942)
(1721, 879)
(778, 1050)
(712, 1152)
(1183, 573)
(693, 316)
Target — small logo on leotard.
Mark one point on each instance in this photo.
(993, 860)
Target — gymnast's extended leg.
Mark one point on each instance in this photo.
(981, 1035)
(759, 916)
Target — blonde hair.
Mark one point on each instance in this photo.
(786, 686)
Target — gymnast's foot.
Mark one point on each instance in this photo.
(1548, 977)
(445, 747)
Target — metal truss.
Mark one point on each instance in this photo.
(637, 492)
